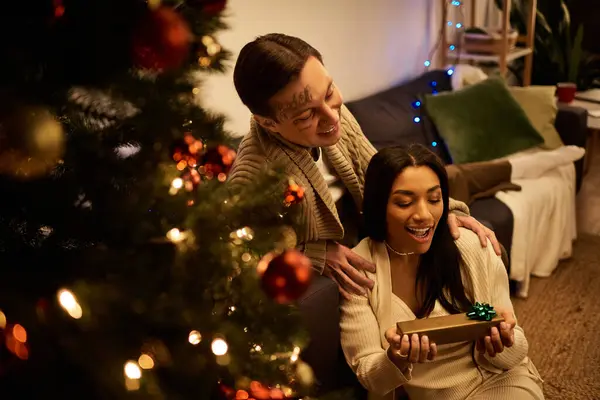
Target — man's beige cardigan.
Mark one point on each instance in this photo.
(349, 157)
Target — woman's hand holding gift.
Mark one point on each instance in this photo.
(499, 338)
(404, 351)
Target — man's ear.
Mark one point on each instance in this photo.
(266, 123)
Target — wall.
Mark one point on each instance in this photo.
(368, 45)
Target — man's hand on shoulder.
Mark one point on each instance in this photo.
(484, 233)
(343, 266)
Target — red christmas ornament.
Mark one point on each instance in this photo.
(59, 8)
(285, 277)
(210, 7)
(186, 151)
(217, 161)
(293, 194)
(162, 40)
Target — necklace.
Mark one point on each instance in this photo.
(396, 252)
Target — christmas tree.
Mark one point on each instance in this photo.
(129, 268)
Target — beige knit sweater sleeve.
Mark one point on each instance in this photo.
(363, 351)
(500, 294)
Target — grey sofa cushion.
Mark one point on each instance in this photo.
(387, 118)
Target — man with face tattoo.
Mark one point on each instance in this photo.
(299, 120)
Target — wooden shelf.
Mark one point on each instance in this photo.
(512, 55)
(525, 39)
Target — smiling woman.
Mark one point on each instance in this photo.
(406, 197)
(421, 272)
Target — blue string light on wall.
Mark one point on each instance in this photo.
(427, 63)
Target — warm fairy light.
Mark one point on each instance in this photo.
(2, 320)
(245, 233)
(295, 354)
(207, 40)
(246, 257)
(68, 301)
(196, 90)
(204, 61)
(175, 235)
(195, 337)
(219, 347)
(154, 4)
(132, 370)
(19, 333)
(222, 177)
(146, 362)
(181, 165)
(213, 49)
(257, 347)
(177, 183)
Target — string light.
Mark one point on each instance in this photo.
(427, 63)
(69, 303)
(132, 370)
(295, 354)
(245, 233)
(19, 333)
(177, 183)
(175, 235)
(219, 347)
(146, 362)
(195, 338)
(2, 320)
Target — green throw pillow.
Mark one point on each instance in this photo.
(481, 122)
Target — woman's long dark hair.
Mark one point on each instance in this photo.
(439, 271)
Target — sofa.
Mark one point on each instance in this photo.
(387, 118)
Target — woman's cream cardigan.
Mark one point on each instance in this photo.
(452, 375)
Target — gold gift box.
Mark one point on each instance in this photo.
(449, 329)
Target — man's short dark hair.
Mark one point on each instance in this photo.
(266, 65)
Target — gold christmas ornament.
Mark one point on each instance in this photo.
(305, 374)
(288, 239)
(32, 142)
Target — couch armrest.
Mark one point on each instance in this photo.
(571, 124)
